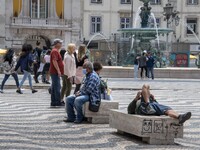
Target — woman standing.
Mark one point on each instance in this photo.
(69, 71)
(8, 67)
(25, 62)
(82, 57)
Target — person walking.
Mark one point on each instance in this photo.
(41, 66)
(8, 69)
(25, 62)
(69, 71)
(36, 57)
(56, 70)
(150, 65)
(80, 60)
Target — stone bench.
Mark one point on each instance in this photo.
(152, 129)
(102, 116)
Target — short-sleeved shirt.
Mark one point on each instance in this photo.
(55, 55)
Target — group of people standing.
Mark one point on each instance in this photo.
(145, 63)
(74, 68)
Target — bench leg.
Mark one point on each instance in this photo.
(120, 132)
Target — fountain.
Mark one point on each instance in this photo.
(144, 34)
(110, 51)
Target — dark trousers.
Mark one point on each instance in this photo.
(55, 90)
(66, 87)
(35, 69)
(77, 88)
(150, 70)
(6, 78)
(141, 72)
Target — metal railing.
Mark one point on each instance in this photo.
(41, 22)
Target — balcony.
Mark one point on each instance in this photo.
(48, 23)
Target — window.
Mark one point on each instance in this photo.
(155, 2)
(124, 23)
(95, 24)
(39, 8)
(192, 2)
(96, 1)
(191, 26)
(125, 1)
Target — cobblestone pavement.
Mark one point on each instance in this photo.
(27, 121)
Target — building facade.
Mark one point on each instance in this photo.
(96, 23)
(28, 21)
(107, 16)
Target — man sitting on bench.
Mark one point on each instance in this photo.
(145, 104)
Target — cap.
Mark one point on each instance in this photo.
(56, 41)
(145, 51)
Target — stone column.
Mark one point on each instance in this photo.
(76, 20)
(68, 9)
(52, 9)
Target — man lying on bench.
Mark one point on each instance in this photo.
(145, 104)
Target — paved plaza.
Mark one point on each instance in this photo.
(27, 121)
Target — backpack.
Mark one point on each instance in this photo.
(6, 66)
(35, 55)
(103, 85)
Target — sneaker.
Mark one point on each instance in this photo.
(1, 91)
(68, 120)
(56, 106)
(36, 80)
(47, 82)
(19, 91)
(77, 121)
(182, 118)
(34, 91)
(62, 103)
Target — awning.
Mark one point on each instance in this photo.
(193, 57)
(3, 51)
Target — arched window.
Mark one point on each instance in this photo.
(39, 8)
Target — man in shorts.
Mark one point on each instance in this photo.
(145, 104)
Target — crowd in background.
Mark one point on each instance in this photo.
(70, 65)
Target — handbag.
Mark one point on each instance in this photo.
(94, 106)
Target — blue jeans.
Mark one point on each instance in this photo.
(26, 75)
(77, 103)
(135, 71)
(55, 90)
(150, 70)
(6, 78)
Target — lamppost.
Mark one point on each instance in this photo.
(171, 16)
(131, 19)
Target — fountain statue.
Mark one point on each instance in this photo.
(145, 34)
(145, 13)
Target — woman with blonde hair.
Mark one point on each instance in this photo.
(69, 71)
(80, 60)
